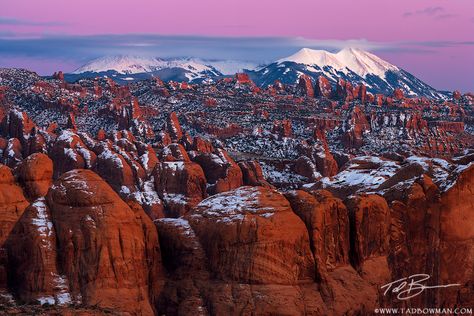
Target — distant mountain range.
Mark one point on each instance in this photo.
(130, 68)
(351, 64)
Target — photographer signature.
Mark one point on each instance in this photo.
(411, 286)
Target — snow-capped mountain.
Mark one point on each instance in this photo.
(360, 62)
(129, 68)
(350, 64)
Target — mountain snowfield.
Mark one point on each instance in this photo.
(137, 64)
(348, 59)
(193, 68)
(351, 64)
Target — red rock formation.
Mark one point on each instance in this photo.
(344, 90)
(148, 158)
(108, 253)
(173, 127)
(243, 78)
(416, 123)
(69, 152)
(361, 93)
(323, 87)
(457, 240)
(379, 99)
(456, 95)
(36, 143)
(370, 98)
(181, 185)
(398, 94)
(370, 218)
(455, 127)
(58, 75)
(35, 174)
(32, 254)
(414, 237)
(186, 141)
(12, 155)
(282, 128)
(356, 125)
(12, 203)
(307, 168)
(174, 152)
(16, 125)
(327, 221)
(305, 86)
(221, 171)
(278, 86)
(210, 102)
(71, 122)
(186, 292)
(252, 174)
(325, 162)
(233, 175)
(229, 130)
(114, 169)
(201, 145)
(269, 224)
(274, 248)
(101, 135)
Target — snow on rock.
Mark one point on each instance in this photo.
(67, 136)
(174, 198)
(179, 222)
(146, 195)
(363, 173)
(73, 185)
(235, 205)
(43, 222)
(70, 153)
(281, 176)
(174, 166)
(62, 297)
(438, 169)
(46, 300)
(107, 154)
(451, 180)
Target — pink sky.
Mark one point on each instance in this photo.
(386, 21)
(377, 20)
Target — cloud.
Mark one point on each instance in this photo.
(20, 22)
(437, 13)
(445, 16)
(83, 48)
(429, 11)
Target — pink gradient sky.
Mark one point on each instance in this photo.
(440, 27)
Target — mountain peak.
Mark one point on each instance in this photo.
(123, 64)
(128, 64)
(309, 56)
(359, 61)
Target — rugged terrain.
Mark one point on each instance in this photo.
(226, 198)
